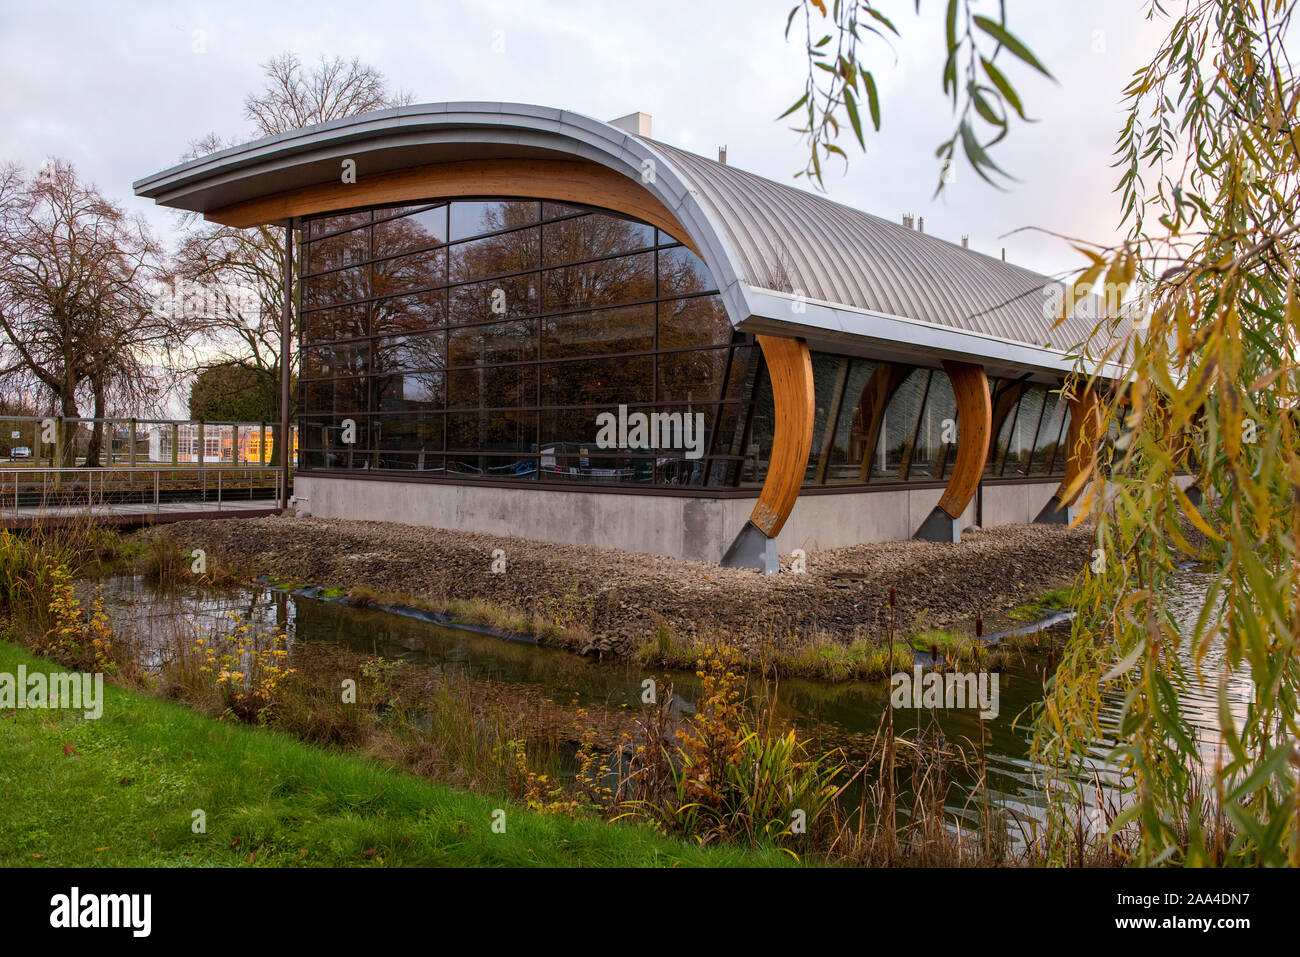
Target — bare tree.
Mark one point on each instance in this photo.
(217, 257)
(75, 299)
(295, 97)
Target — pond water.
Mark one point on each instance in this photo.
(846, 714)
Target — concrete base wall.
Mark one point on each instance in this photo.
(680, 526)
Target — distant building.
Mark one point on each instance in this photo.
(219, 444)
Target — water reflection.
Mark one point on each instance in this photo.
(846, 715)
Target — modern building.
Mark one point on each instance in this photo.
(195, 443)
(522, 321)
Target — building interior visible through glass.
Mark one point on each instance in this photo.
(482, 339)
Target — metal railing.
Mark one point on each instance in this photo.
(46, 489)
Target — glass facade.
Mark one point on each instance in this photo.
(907, 417)
(1030, 421)
(524, 340)
(488, 340)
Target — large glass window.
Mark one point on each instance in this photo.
(936, 433)
(849, 445)
(827, 376)
(494, 339)
(897, 429)
(1049, 434)
(1030, 421)
(881, 422)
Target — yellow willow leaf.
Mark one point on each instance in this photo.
(1231, 353)
(1113, 283)
(1080, 288)
(1293, 471)
(1085, 507)
(1183, 321)
(1123, 665)
(1266, 380)
(1074, 487)
(1194, 514)
(1096, 257)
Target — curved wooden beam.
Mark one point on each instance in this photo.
(975, 423)
(1081, 442)
(562, 181)
(789, 367)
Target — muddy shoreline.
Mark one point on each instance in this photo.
(613, 603)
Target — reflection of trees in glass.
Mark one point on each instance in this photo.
(456, 329)
(492, 387)
(762, 425)
(336, 359)
(471, 218)
(423, 350)
(1029, 419)
(598, 382)
(507, 252)
(681, 273)
(599, 332)
(337, 322)
(694, 376)
(1006, 398)
(698, 321)
(594, 236)
(1021, 444)
(336, 251)
(339, 286)
(409, 391)
(410, 228)
(609, 282)
(896, 426)
(324, 225)
(498, 342)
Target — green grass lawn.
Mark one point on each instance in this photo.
(120, 791)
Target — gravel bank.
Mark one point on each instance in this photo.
(617, 600)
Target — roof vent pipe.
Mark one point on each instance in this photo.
(920, 225)
(1004, 253)
(722, 155)
(965, 241)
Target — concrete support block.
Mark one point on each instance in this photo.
(938, 526)
(1054, 513)
(752, 549)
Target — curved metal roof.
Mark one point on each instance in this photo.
(786, 260)
(790, 240)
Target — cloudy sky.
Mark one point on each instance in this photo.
(122, 90)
